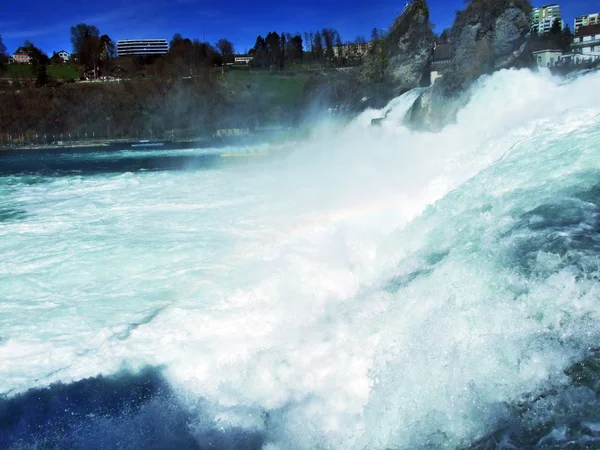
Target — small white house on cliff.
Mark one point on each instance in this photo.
(547, 57)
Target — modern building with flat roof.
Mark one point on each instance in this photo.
(141, 47)
(585, 20)
(543, 17)
(586, 43)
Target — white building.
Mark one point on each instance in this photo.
(543, 17)
(352, 50)
(585, 20)
(547, 57)
(586, 43)
(130, 47)
(64, 55)
(242, 59)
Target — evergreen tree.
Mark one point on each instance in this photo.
(566, 39)
(295, 50)
(556, 28)
(260, 54)
(273, 47)
(3, 56)
(283, 42)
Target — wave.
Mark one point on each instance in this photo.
(371, 287)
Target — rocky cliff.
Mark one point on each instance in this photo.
(407, 48)
(400, 60)
(488, 35)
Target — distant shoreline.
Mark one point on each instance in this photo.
(151, 144)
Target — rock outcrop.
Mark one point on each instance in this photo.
(400, 60)
(407, 47)
(488, 35)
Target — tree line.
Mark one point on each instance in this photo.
(325, 46)
(558, 37)
(95, 54)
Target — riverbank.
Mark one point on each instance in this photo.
(256, 138)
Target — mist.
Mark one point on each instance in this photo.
(355, 286)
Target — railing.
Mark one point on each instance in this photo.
(586, 43)
(35, 139)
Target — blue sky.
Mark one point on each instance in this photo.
(47, 24)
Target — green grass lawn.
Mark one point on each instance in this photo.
(18, 71)
(58, 72)
(282, 86)
(63, 72)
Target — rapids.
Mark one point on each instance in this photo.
(367, 287)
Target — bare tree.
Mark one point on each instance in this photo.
(318, 46)
(87, 45)
(329, 37)
(225, 47)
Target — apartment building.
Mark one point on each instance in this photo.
(543, 17)
(129, 47)
(585, 20)
(351, 50)
(586, 43)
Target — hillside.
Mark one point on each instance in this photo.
(159, 108)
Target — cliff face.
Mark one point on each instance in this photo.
(400, 60)
(488, 35)
(408, 45)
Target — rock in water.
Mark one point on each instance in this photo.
(488, 35)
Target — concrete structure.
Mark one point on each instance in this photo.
(585, 20)
(548, 57)
(142, 47)
(586, 43)
(543, 17)
(21, 57)
(64, 55)
(442, 55)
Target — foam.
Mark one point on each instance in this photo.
(368, 289)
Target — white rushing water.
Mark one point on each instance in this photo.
(369, 288)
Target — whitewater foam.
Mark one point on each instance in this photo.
(375, 287)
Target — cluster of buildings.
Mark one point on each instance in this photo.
(129, 47)
(543, 18)
(146, 47)
(585, 46)
(22, 56)
(586, 39)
